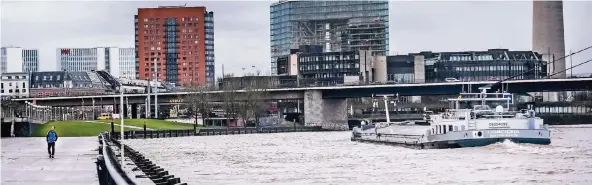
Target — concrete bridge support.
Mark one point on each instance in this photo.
(329, 113)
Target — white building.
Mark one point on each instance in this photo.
(116, 61)
(16, 60)
(14, 85)
(126, 58)
(30, 60)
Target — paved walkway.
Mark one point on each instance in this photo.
(25, 161)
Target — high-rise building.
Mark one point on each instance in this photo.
(336, 25)
(180, 39)
(119, 62)
(127, 62)
(548, 34)
(16, 60)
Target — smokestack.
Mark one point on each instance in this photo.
(548, 34)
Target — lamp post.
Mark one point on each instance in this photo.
(122, 149)
(155, 89)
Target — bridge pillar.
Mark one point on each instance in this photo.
(134, 110)
(418, 74)
(328, 113)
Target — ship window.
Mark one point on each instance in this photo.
(455, 128)
(462, 127)
(449, 127)
(444, 129)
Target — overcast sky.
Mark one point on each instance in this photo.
(242, 28)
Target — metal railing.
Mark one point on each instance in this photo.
(108, 170)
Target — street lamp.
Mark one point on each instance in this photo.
(122, 149)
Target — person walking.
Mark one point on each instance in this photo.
(52, 138)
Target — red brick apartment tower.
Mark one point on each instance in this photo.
(182, 41)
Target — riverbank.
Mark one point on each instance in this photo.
(152, 123)
(93, 128)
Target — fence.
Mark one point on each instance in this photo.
(155, 173)
(145, 134)
(108, 170)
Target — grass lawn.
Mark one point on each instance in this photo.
(153, 124)
(74, 129)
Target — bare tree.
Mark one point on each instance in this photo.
(17, 108)
(254, 104)
(229, 86)
(198, 102)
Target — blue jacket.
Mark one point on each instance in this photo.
(52, 136)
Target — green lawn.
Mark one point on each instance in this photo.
(153, 124)
(74, 129)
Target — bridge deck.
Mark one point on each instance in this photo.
(25, 161)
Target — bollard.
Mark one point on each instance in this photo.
(144, 130)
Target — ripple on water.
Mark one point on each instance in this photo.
(331, 158)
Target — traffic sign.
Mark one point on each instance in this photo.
(509, 96)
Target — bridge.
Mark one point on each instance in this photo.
(327, 104)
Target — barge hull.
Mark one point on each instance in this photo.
(481, 142)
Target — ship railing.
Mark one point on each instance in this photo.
(407, 136)
(497, 116)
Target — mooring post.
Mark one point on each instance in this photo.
(144, 129)
(112, 127)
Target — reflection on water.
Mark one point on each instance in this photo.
(331, 158)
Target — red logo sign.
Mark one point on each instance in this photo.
(65, 51)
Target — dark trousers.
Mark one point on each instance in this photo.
(50, 148)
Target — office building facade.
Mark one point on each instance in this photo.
(15, 60)
(125, 58)
(180, 39)
(337, 26)
(493, 64)
(116, 61)
(314, 67)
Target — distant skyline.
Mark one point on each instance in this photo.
(242, 28)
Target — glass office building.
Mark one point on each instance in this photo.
(336, 25)
(493, 64)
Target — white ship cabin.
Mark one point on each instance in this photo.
(471, 111)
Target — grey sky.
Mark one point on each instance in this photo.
(242, 28)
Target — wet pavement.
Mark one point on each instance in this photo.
(25, 161)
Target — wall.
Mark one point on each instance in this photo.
(13, 60)
(380, 68)
(366, 60)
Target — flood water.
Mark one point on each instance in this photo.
(331, 158)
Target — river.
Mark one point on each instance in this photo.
(331, 158)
